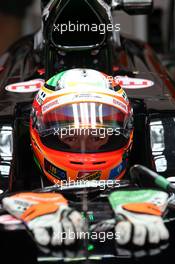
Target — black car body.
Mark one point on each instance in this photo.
(154, 136)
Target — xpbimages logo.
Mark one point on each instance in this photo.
(100, 132)
(100, 236)
(80, 27)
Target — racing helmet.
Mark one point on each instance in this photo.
(81, 127)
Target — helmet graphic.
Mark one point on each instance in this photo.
(81, 127)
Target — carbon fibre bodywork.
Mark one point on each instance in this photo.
(154, 120)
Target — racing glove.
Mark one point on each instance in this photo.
(47, 215)
(139, 216)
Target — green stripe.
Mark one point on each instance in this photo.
(37, 162)
(54, 80)
(162, 182)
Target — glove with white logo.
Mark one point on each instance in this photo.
(47, 215)
(139, 216)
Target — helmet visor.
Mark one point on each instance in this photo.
(84, 127)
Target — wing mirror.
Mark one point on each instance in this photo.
(133, 7)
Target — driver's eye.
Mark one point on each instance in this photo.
(96, 139)
(70, 139)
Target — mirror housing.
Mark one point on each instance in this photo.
(133, 7)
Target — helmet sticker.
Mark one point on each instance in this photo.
(50, 105)
(55, 171)
(88, 175)
(41, 96)
(115, 172)
(25, 87)
(92, 97)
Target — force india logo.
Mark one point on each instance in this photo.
(89, 175)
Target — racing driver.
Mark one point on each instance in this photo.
(81, 128)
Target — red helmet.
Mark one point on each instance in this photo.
(81, 127)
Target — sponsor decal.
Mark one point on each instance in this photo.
(86, 96)
(55, 171)
(89, 175)
(115, 172)
(92, 97)
(124, 95)
(25, 87)
(133, 83)
(120, 104)
(41, 96)
(48, 106)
